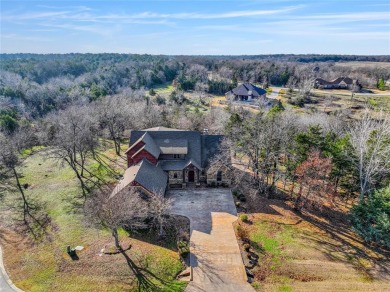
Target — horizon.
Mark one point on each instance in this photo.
(196, 28)
(198, 55)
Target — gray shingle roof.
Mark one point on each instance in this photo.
(163, 129)
(210, 147)
(247, 89)
(151, 177)
(149, 146)
(193, 139)
(336, 81)
(172, 146)
(200, 150)
(168, 165)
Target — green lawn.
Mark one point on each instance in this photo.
(45, 266)
(164, 88)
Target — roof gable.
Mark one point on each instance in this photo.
(149, 145)
(247, 88)
(177, 138)
(151, 177)
(199, 149)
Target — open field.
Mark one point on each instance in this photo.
(45, 265)
(364, 64)
(164, 88)
(309, 252)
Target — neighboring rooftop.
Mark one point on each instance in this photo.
(336, 81)
(248, 89)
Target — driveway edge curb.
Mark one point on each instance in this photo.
(4, 272)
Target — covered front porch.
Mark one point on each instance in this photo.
(191, 174)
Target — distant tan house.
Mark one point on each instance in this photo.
(338, 83)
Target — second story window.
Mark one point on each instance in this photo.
(175, 175)
(176, 156)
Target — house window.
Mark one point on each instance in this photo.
(176, 155)
(175, 175)
(219, 176)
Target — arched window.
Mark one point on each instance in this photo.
(219, 176)
(175, 175)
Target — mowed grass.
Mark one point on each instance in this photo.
(45, 265)
(309, 253)
(164, 88)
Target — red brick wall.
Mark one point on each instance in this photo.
(143, 154)
(133, 150)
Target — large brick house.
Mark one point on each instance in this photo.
(338, 83)
(160, 158)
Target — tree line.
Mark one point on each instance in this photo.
(72, 103)
(317, 160)
(34, 85)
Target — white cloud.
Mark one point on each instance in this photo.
(234, 14)
(81, 13)
(351, 16)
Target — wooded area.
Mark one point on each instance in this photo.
(71, 104)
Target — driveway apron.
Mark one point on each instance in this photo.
(214, 253)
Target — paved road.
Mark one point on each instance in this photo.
(275, 92)
(4, 287)
(215, 255)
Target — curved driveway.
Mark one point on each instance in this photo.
(215, 256)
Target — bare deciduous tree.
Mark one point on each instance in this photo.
(115, 115)
(73, 135)
(159, 210)
(125, 209)
(131, 209)
(9, 161)
(370, 139)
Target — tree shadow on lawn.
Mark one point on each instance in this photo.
(178, 228)
(343, 244)
(353, 250)
(147, 281)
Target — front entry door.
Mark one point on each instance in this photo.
(191, 176)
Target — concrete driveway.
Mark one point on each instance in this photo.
(4, 286)
(215, 255)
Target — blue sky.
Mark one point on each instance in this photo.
(196, 27)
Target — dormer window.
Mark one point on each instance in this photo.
(178, 156)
